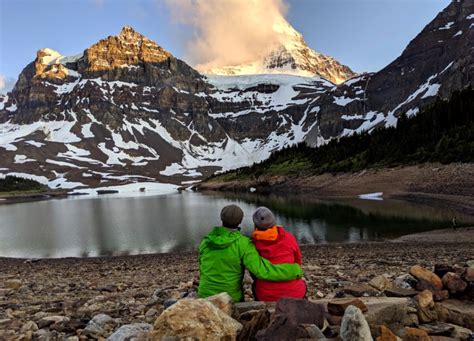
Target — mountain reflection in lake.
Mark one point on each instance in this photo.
(84, 227)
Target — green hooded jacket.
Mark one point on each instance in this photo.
(223, 256)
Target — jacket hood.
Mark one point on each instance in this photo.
(221, 237)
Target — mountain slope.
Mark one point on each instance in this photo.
(291, 56)
(444, 132)
(436, 63)
(127, 110)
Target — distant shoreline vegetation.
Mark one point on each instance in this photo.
(17, 184)
(443, 132)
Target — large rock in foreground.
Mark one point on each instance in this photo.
(293, 319)
(426, 276)
(354, 325)
(195, 318)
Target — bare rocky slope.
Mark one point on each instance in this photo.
(126, 110)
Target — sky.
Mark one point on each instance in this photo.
(366, 35)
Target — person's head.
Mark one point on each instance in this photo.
(231, 216)
(263, 218)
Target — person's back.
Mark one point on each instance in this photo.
(225, 253)
(278, 246)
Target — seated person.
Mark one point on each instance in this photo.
(278, 246)
(225, 253)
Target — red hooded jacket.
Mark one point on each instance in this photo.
(284, 249)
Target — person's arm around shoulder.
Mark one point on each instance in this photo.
(263, 268)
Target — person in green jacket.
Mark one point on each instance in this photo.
(225, 253)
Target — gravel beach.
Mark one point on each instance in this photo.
(125, 287)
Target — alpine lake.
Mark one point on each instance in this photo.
(114, 225)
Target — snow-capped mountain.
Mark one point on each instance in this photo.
(290, 56)
(126, 110)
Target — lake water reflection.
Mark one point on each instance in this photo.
(84, 227)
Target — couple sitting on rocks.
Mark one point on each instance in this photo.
(273, 257)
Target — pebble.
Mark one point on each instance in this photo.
(13, 283)
(169, 302)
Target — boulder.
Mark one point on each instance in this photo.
(406, 281)
(151, 314)
(380, 282)
(338, 306)
(437, 328)
(456, 312)
(440, 295)
(100, 326)
(386, 334)
(196, 318)
(354, 326)
(253, 321)
(314, 332)
(442, 338)
(49, 320)
(468, 275)
(135, 331)
(301, 311)
(470, 264)
(415, 334)
(334, 320)
(423, 274)
(425, 299)
(453, 282)
(242, 307)
(425, 307)
(411, 320)
(441, 269)
(290, 317)
(360, 290)
(223, 301)
(30, 325)
(460, 333)
(390, 311)
(400, 292)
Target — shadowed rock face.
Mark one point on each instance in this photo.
(128, 106)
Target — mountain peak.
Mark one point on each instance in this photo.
(290, 56)
(129, 34)
(126, 29)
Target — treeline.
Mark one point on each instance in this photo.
(14, 184)
(444, 132)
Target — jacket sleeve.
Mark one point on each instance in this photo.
(264, 269)
(297, 251)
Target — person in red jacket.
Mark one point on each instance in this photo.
(279, 246)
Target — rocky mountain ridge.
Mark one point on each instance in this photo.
(126, 110)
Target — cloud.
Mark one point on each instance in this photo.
(228, 32)
(6, 84)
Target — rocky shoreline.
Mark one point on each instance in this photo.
(79, 299)
(28, 196)
(449, 186)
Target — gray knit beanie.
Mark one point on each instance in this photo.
(263, 218)
(232, 216)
